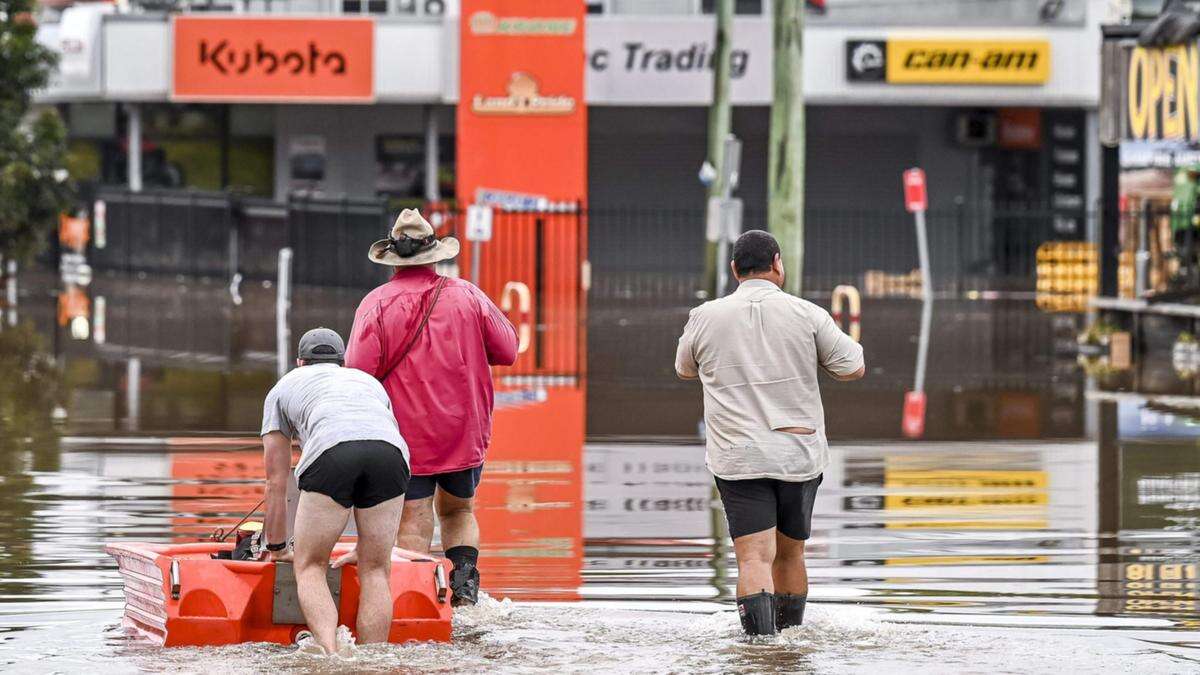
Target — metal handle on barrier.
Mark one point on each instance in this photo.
(175, 581)
(439, 580)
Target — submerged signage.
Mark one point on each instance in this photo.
(236, 59)
(1162, 93)
(985, 62)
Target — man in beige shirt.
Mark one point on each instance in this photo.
(757, 353)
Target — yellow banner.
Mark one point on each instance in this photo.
(968, 61)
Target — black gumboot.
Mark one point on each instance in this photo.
(757, 613)
(789, 610)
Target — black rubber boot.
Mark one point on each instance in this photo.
(789, 610)
(464, 578)
(757, 613)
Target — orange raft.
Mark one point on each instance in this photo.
(178, 595)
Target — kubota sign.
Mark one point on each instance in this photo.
(236, 59)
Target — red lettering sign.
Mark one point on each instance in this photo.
(236, 59)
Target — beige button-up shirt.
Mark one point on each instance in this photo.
(757, 353)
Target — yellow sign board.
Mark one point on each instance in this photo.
(1163, 93)
(1020, 62)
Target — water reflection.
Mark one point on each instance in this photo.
(30, 391)
(620, 546)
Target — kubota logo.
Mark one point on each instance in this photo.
(523, 99)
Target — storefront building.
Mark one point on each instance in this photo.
(998, 108)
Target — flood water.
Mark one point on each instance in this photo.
(1048, 553)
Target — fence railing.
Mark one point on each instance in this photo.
(633, 252)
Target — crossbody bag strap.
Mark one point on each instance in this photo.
(437, 293)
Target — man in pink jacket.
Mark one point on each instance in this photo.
(431, 340)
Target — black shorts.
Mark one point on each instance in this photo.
(762, 503)
(361, 474)
(461, 484)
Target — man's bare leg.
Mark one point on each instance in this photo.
(755, 588)
(460, 541)
(788, 570)
(457, 518)
(416, 525)
(755, 554)
(376, 527)
(791, 581)
(319, 523)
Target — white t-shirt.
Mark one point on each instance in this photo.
(757, 353)
(325, 404)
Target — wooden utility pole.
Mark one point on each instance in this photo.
(785, 183)
(719, 116)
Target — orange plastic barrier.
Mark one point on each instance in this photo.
(178, 595)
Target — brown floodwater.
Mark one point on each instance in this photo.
(1072, 550)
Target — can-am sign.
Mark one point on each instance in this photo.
(989, 62)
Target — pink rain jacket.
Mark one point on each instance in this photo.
(441, 392)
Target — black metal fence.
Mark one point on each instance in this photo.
(215, 234)
(634, 252)
(638, 252)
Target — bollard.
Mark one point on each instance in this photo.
(283, 305)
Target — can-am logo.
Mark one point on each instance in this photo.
(486, 23)
(523, 99)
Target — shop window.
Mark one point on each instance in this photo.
(739, 6)
(400, 162)
(182, 148)
(401, 7)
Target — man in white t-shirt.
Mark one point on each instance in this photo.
(758, 353)
(352, 455)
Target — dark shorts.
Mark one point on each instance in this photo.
(361, 474)
(762, 503)
(461, 484)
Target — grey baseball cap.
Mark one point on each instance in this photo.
(321, 344)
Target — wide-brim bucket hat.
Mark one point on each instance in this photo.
(413, 242)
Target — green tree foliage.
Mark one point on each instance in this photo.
(33, 183)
